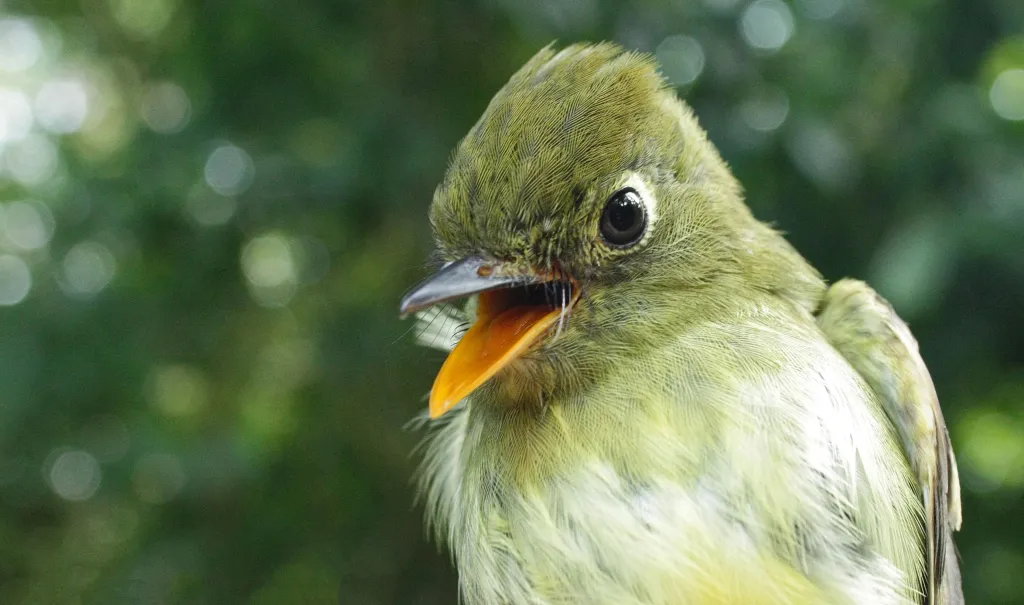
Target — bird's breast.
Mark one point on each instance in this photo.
(729, 468)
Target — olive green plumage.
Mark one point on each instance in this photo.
(713, 424)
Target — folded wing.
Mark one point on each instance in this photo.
(862, 326)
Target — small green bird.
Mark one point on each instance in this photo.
(662, 402)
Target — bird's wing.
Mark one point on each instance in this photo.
(863, 327)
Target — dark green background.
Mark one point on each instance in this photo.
(203, 394)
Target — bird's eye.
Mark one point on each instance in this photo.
(624, 219)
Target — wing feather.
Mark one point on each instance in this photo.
(865, 329)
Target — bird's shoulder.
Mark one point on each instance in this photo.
(866, 330)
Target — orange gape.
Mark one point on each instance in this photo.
(499, 336)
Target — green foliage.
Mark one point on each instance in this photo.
(210, 210)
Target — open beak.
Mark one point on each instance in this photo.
(514, 311)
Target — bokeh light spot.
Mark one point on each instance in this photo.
(166, 108)
(144, 18)
(33, 160)
(75, 475)
(767, 25)
(992, 447)
(20, 45)
(209, 209)
(914, 265)
(87, 269)
(110, 124)
(15, 115)
(228, 170)
(62, 105)
(820, 10)
(28, 225)
(271, 268)
(108, 526)
(15, 280)
(681, 59)
(766, 111)
(823, 154)
(177, 390)
(268, 261)
(284, 365)
(267, 416)
(1007, 95)
(158, 478)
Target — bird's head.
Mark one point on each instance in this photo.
(585, 208)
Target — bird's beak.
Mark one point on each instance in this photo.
(509, 320)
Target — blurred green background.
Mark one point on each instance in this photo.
(209, 210)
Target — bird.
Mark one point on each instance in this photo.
(650, 397)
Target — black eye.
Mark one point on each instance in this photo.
(624, 219)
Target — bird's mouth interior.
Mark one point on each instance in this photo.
(549, 295)
(508, 321)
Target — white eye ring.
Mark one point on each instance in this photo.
(632, 180)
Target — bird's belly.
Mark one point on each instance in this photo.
(600, 541)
